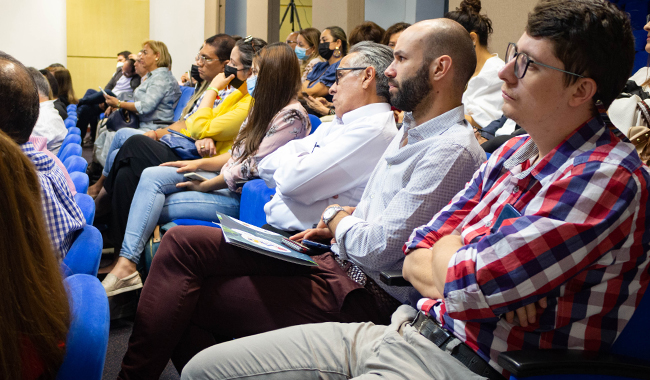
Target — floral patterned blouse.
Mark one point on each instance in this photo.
(292, 122)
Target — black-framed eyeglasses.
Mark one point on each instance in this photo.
(522, 61)
(203, 59)
(338, 70)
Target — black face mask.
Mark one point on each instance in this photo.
(325, 51)
(228, 71)
(194, 73)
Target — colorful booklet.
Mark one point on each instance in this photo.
(247, 236)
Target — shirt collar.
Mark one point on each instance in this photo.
(436, 126)
(550, 163)
(40, 160)
(367, 110)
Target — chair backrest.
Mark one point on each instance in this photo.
(186, 94)
(634, 340)
(75, 164)
(71, 107)
(255, 194)
(87, 340)
(71, 139)
(87, 206)
(69, 122)
(315, 122)
(69, 150)
(81, 182)
(85, 253)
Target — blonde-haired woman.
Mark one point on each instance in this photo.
(33, 303)
(154, 100)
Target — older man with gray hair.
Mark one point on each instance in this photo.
(331, 165)
(49, 123)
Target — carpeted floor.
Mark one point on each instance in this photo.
(118, 340)
(120, 331)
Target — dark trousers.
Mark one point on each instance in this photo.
(201, 291)
(88, 111)
(138, 153)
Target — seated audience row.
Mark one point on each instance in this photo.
(545, 262)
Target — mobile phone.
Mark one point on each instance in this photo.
(312, 245)
(102, 90)
(195, 177)
(294, 245)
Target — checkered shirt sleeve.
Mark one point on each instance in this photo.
(581, 241)
(62, 215)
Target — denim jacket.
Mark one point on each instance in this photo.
(156, 98)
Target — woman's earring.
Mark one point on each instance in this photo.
(337, 53)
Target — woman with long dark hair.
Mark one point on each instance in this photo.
(275, 118)
(34, 310)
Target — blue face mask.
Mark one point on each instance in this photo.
(250, 84)
(301, 52)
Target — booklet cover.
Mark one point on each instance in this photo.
(244, 235)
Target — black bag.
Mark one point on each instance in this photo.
(122, 118)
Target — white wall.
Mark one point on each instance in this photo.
(180, 25)
(388, 12)
(34, 31)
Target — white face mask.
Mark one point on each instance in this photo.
(120, 64)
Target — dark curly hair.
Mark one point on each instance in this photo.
(592, 38)
(468, 15)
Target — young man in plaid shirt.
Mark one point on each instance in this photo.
(552, 227)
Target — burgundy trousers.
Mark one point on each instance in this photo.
(201, 291)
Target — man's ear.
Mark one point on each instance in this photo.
(369, 74)
(584, 90)
(440, 67)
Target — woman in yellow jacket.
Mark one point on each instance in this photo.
(212, 129)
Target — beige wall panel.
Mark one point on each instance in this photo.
(304, 8)
(343, 13)
(97, 31)
(508, 20)
(90, 72)
(262, 19)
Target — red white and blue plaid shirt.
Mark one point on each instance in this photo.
(62, 215)
(582, 241)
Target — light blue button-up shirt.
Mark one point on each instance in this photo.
(156, 98)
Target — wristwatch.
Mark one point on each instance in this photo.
(330, 213)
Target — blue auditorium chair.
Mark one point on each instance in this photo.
(255, 194)
(69, 123)
(74, 130)
(87, 340)
(87, 205)
(85, 252)
(629, 357)
(71, 108)
(81, 181)
(186, 94)
(315, 122)
(70, 139)
(69, 151)
(75, 164)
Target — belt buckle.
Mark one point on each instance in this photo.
(430, 329)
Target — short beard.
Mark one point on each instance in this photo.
(411, 91)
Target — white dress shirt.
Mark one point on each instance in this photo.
(482, 99)
(50, 125)
(330, 166)
(409, 185)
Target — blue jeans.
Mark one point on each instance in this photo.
(157, 200)
(120, 138)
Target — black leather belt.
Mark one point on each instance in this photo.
(430, 329)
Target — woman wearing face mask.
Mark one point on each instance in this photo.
(219, 124)
(307, 51)
(333, 47)
(275, 119)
